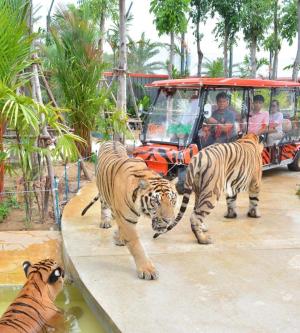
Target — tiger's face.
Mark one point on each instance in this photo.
(47, 272)
(159, 201)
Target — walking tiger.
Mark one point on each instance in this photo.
(230, 167)
(128, 188)
(33, 310)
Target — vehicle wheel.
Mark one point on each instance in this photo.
(181, 177)
(295, 165)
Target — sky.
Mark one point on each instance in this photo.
(143, 22)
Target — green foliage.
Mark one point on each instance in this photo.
(77, 66)
(199, 10)
(94, 158)
(214, 68)
(288, 22)
(140, 54)
(15, 43)
(111, 123)
(4, 210)
(245, 66)
(145, 102)
(94, 9)
(256, 16)
(113, 35)
(12, 202)
(170, 15)
(5, 207)
(229, 12)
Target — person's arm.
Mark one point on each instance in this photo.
(264, 125)
(212, 120)
(228, 126)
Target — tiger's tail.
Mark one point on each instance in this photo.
(188, 188)
(89, 205)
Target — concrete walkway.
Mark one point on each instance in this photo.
(19, 246)
(248, 280)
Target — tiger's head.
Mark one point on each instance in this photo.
(254, 138)
(158, 199)
(46, 273)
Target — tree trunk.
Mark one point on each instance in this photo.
(171, 62)
(102, 33)
(230, 59)
(36, 84)
(253, 64)
(276, 51)
(297, 60)
(85, 150)
(270, 64)
(225, 52)
(275, 65)
(199, 52)
(182, 53)
(48, 18)
(121, 98)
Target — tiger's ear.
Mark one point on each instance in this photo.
(143, 184)
(26, 265)
(55, 275)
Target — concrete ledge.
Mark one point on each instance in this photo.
(246, 281)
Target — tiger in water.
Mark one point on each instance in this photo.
(127, 188)
(230, 167)
(33, 310)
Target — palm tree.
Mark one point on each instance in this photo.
(19, 112)
(214, 68)
(140, 55)
(77, 67)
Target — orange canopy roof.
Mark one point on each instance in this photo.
(197, 82)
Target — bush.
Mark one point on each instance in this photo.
(5, 207)
(4, 210)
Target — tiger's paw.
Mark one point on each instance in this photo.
(147, 272)
(118, 240)
(204, 227)
(105, 225)
(202, 238)
(253, 213)
(231, 214)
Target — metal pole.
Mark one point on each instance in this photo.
(78, 175)
(57, 215)
(66, 184)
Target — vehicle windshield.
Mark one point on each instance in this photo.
(173, 116)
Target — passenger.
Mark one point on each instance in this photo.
(258, 120)
(275, 126)
(223, 119)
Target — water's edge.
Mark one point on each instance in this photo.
(100, 314)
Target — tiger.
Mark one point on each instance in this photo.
(230, 167)
(34, 310)
(127, 188)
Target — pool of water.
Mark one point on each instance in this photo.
(79, 316)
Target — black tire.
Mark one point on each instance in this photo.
(295, 165)
(181, 177)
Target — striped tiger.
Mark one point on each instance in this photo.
(34, 310)
(128, 188)
(230, 167)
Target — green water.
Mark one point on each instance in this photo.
(80, 321)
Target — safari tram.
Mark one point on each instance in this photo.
(190, 114)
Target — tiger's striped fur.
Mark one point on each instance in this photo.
(230, 167)
(33, 310)
(128, 188)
